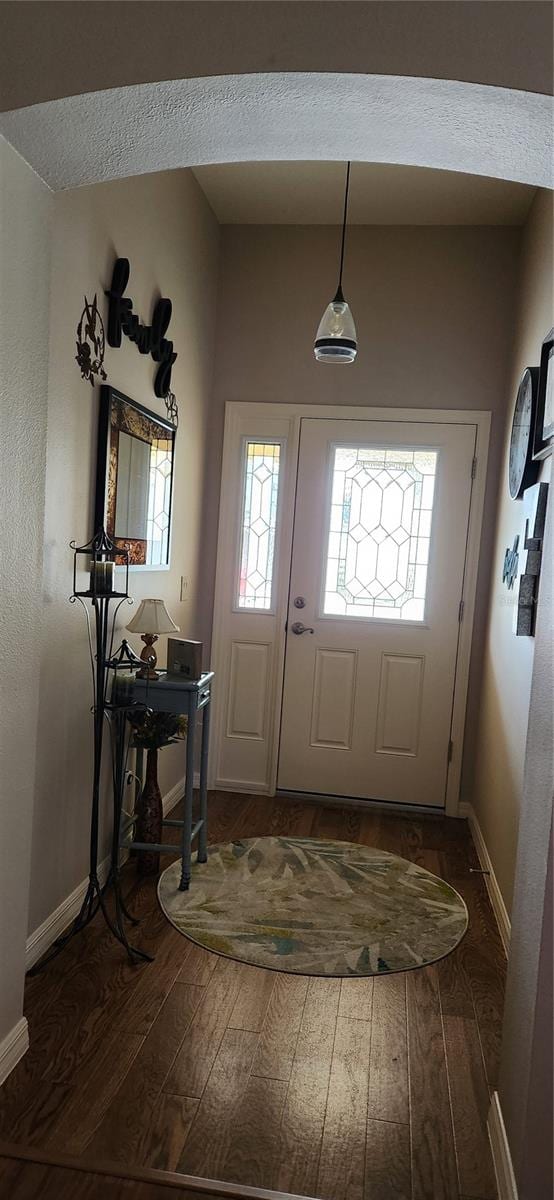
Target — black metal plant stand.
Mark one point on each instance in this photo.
(103, 555)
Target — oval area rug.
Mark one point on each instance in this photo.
(315, 907)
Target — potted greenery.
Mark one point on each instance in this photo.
(152, 730)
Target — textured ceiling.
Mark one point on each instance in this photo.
(312, 193)
(438, 123)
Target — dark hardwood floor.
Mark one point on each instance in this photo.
(344, 1090)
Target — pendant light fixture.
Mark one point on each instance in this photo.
(336, 335)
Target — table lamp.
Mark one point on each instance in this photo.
(151, 619)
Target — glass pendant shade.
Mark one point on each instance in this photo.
(336, 336)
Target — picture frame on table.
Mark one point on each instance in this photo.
(544, 422)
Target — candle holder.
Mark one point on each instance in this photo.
(102, 555)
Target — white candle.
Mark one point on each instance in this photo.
(123, 686)
(97, 576)
(101, 577)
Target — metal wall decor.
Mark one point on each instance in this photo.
(535, 506)
(172, 408)
(91, 342)
(511, 562)
(150, 339)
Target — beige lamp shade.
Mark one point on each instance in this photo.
(152, 617)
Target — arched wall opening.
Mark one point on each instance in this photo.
(466, 127)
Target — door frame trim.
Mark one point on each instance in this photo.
(237, 411)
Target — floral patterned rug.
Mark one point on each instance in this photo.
(315, 907)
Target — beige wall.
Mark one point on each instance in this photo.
(497, 787)
(434, 312)
(54, 49)
(25, 206)
(525, 1080)
(536, 1170)
(163, 224)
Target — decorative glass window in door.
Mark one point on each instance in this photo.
(159, 502)
(379, 532)
(259, 521)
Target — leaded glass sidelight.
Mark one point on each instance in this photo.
(159, 502)
(259, 520)
(379, 532)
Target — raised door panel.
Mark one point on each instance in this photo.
(333, 698)
(246, 687)
(399, 709)
(248, 682)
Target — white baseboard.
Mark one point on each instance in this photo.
(13, 1047)
(177, 792)
(40, 941)
(241, 786)
(501, 1157)
(173, 796)
(495, 895)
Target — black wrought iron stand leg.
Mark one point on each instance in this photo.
(128, 916)
(87, 912)
(114, 880)
(120, 725)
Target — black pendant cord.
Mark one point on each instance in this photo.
(339, 295)
(95, 895)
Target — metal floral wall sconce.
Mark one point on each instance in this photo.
(172, 408)
(91, 343)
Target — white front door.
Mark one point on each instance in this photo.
(379, 543)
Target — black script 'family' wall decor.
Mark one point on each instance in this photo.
(150, 339)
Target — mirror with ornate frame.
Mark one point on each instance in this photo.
(134, 479)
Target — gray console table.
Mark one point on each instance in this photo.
(188, 699)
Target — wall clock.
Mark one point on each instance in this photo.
(522, 470)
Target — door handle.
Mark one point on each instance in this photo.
(299, 628)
